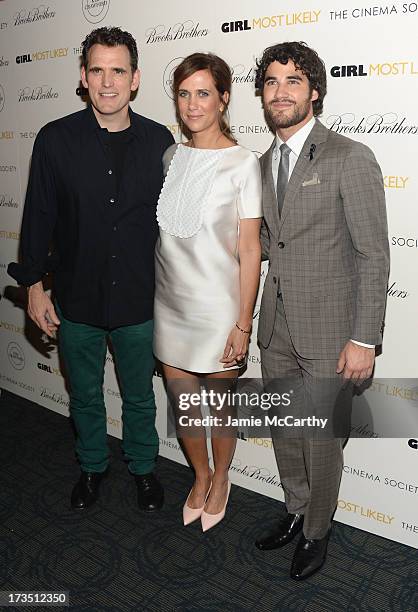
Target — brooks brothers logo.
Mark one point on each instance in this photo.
(58, 398)
(387, 123)
(2, 98)
(387, 481)
(243, 74)
(178, 31)
(383, 10)
(8, 201)
(39, 13)
(255, 472)
(95, 10)
(35, 94)
(270, 21)
(370, 70)
(168, 75)
(36, 56)
(7, 135)
(16, 355)
(369, 513)
(3, 62)
(395, 292)
(403, 241)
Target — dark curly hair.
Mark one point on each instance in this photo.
(110, 37)
(305, 59)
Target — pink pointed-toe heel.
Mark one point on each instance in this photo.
(210, 520)
(192, 514)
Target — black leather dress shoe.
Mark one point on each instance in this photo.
(309, 557)
(286, 530)
(86, 491)
(150, 492)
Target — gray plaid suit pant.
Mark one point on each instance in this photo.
(310, 467)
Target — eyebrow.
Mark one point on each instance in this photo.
(200, 89)
(112, 68)
(293, 77)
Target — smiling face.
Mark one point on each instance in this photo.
(110, 80)
(199, 103)
(287, 97)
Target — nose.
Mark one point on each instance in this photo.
(281, 89)
(193, 101)
(107, 78)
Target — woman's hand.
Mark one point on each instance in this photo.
(236, 347)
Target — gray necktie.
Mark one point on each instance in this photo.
(282, 175)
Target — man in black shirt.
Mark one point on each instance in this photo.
(90, 218)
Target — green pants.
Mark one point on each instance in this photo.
(83, 348)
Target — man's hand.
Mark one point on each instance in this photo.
(41, 310)
(356, 362)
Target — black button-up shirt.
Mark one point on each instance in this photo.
(94, 230)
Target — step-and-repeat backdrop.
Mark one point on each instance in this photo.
(372, 64)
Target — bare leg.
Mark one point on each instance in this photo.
(193, 442)
(223, 445)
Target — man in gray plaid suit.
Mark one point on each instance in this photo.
(325, 236)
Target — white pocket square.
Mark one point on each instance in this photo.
(313, 181)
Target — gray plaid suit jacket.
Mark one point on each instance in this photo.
(329, 249)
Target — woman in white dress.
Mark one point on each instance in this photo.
(207, 268)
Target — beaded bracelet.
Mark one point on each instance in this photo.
(242, 330)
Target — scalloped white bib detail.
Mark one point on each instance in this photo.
(186, 190)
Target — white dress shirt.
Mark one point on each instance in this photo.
(295, 143)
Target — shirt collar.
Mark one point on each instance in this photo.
(296, 141)
(93, 124)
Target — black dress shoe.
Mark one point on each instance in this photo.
(286, 530)
(309, 557)
(86, 491)
(150, 492)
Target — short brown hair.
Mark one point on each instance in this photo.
(222, 77)
(110, 37)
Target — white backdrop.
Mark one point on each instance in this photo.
(374, 101)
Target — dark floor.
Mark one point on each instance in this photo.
(113, 558)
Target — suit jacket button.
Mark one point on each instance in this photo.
(274, 280)
(281, 245)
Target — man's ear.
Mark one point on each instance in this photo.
(136, 79)
(314, 95)
(84, 77)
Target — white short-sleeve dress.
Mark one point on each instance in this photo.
(205, 194)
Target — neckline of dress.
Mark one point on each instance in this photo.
(201, 149)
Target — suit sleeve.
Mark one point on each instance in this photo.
(363, 197)
(39, 217)
(264, 233)
(265, 241)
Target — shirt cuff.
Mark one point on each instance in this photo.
(363, 344)
(25, 275)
